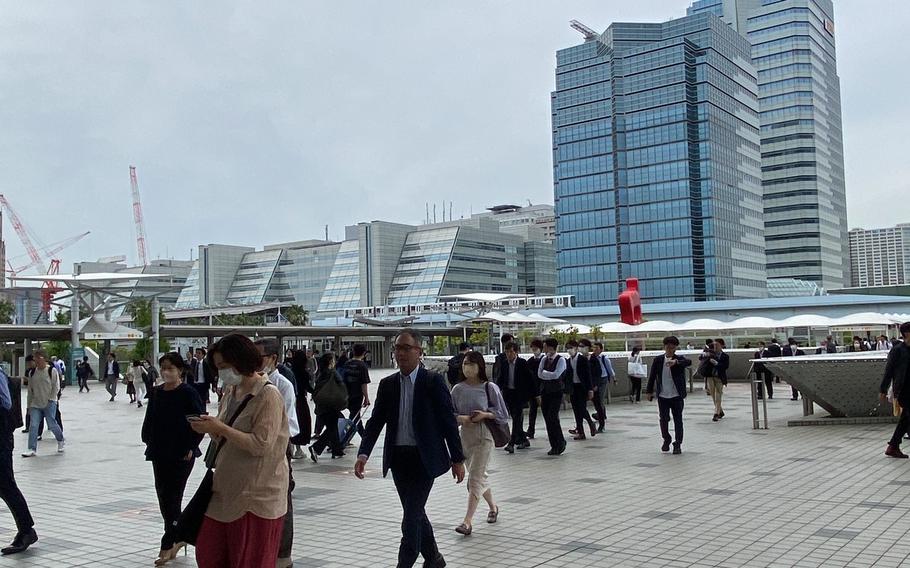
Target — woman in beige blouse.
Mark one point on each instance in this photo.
(243, 522)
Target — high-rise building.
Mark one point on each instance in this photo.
(657, 164)
(533, 222)
(793, 49)
(880, 257)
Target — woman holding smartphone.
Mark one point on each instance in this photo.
(477, 400)
(171, 445)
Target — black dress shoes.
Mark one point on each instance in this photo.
(21, 543)
(437, 562)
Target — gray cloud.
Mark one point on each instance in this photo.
(252, 125)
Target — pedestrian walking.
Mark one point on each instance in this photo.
(667, 381)
(269, 349)
(171, 444)
(551, 373)
(501, 356)
(111, 375)
(356, 376)
(84, 373)
(791, 349)
(477, 401)
(245, 516)
(897, 369)
(202, 377)
(300, 369)
(637, 371)
(138, 376)
(602, 375)
(713, 365)
(534, 402)
(9, 489)
(330, 397)
(151, 377)
(518, 386)
(453, 367)
(580, 390)
(43, 390)
(415, 408)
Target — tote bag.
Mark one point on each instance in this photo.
(637, 368)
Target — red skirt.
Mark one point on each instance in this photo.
(248, 542)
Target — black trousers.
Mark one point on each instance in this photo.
(579, 399)
(355, 404)
(666, 407)
(329, 436)
(516, 407)
(287, 531)
(549, 407)
(170, 483)
(903, 424)
(203, 390)
(769, 383)
(636, 388)
(599, 398)
(413, 486)
(9, 491)
(532, 415)
(83, 383)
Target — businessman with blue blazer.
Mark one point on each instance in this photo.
(421, 443)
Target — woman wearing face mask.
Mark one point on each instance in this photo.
(636, 374)
(244, 519)
(477, 400)
(171, 445)
(328, 407)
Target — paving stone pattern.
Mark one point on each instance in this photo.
(804, 496)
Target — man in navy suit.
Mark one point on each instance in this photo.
(668, 381)
(421, 443)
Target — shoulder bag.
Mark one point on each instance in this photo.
(500, 432)
(186, 527)
(332, 394)
(637, 368)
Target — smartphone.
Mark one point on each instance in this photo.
(193, 417)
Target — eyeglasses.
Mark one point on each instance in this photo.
(400, 347)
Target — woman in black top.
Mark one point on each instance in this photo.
(328, 408)
(171, 445)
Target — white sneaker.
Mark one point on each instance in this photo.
(60, 446)
(29, 454)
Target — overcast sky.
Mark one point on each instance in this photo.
(255, 123)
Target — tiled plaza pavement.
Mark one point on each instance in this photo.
(808, 496)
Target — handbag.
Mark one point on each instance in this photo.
(501, 433)
(186, 527)
(638, 369)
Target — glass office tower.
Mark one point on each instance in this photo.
(657, 164)
(793, 49)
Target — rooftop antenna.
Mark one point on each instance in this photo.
(583, 29)
(326, 232)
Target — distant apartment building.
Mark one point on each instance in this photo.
(880, 257)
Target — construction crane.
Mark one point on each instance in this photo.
(48, 253)
(583, 29)
(21, 231)
(137, 218)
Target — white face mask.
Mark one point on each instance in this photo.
(584, 350)
(268, 367)
(536, 352)
(230, 377)
(572, 351)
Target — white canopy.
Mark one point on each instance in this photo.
(867, 319)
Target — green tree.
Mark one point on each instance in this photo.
(525, 337)
(440, 345)
(238, 320)
(7, 311)
(596, 334)
(141, 312)
(59, 348)
(480, 337)
(296, 315)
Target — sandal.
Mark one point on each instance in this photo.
(464, 529)
(492, 516)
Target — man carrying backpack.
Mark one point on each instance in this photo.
(356, 378)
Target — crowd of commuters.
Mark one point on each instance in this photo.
(433, 424)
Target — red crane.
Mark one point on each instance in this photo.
(137, 218)
(21, 231)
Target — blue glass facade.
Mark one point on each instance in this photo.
(657, 164)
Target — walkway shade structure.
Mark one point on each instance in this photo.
(865, 319)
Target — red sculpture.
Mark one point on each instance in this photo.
(630, 303)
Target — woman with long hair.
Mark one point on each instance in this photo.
(137, 378)
(476, 401)
(170, 444)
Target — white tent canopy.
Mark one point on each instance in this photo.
(865, 319)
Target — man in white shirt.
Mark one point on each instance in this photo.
(550, 372)
(270, 348)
